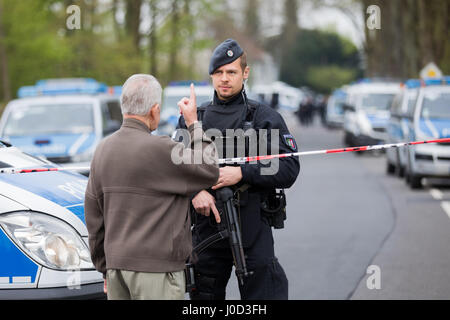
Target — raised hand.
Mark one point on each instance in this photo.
(188, 107)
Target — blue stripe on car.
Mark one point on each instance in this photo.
(14, 262)
(63, 188)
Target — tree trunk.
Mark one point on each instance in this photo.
(6, 90)
(252, 24)
(174, 41)
(153, 41)
(190, 38)
(115, 9)
(132, 21)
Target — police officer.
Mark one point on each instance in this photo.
(230, 109)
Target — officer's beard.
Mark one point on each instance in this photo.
(229, 97)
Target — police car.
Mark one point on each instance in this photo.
(278, 95)
(429, 119)
(173, 93)
(398, 126)
(366, 111)
(43, 238)
(334, 111)
(62, 120)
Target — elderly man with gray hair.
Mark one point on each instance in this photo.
(137, 199)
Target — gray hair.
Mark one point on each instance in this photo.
(139, 94)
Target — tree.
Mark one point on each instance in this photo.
(413, 33)
(4, 75)
(153, 42)
(133, 21)
(321, 60)
(252, 23)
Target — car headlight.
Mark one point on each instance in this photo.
(47, 240)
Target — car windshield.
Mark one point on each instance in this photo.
(378, 101)
(436, 105)
(54, 118)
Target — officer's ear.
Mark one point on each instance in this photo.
(246, 72)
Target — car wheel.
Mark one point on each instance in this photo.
(400, 171)
(347, 139)
(415, 182)
(390, 168)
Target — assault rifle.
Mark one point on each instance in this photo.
(228, 228)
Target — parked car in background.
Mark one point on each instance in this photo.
(398, 126)
(278, 95)
(334, 114)
(62, 120)
(429, 119)
(366, 111)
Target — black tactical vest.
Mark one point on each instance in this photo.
(227, 124)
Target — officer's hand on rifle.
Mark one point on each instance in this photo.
(188, 108)
(204, 203)
(228, 176)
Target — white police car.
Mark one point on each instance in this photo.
(430, 119)
(366, 111)
(43, 238)
(334, 111)
(398, 127)
(61, 120)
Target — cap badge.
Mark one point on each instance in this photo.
(230, 53)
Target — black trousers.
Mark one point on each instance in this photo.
(267, 282)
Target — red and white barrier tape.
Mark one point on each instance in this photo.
(254, 158)
(350, 149)
(31, 170)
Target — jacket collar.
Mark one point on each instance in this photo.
(135, 124)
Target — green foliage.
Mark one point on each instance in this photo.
(326, 78)
(33, 47)
(315, 56)
(39, 45)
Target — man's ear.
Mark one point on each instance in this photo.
(154, 110)
(246, 72)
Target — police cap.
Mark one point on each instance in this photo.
(225, 53)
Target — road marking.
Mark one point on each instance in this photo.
(436, 194)
(446, 206)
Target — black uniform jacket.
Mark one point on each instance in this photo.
(232, 114)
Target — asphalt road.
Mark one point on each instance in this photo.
(346, 214)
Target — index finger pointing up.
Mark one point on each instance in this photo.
(192, 97)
